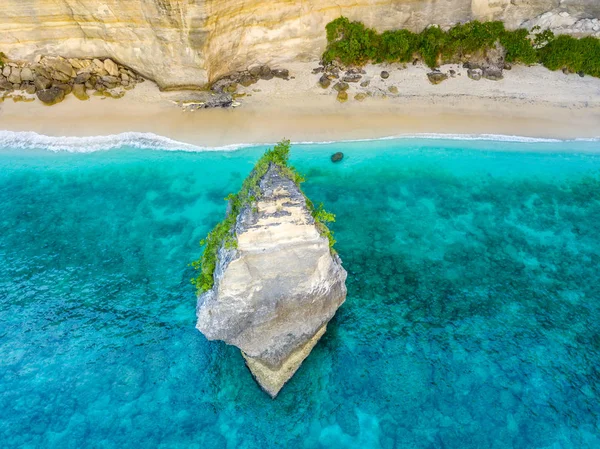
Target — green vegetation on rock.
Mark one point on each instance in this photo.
(3, 59)
(575, 55)
(223, 233)
(352, 43)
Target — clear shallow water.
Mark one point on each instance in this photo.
(472, 318)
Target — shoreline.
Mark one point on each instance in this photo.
(531, 102)
(32, 140)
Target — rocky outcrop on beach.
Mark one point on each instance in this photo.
(247, 78)
(191, 43)
(344, 81)
(277, 288)
(50, 79)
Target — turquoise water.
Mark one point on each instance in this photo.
(472, 318)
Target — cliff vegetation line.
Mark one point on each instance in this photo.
(352, 43)
(223, 234)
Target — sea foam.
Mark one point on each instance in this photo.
(31, 140)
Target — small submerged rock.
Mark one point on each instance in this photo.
(337, 157)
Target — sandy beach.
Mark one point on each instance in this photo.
(529, 101)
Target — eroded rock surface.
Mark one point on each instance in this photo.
(275, 293)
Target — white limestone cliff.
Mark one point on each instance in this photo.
(187, 43)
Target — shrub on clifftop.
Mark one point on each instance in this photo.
(354, 44)
(351, 43)
(576, 55)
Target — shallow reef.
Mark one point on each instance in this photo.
(472, 318)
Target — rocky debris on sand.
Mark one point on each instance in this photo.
(49, 73)
(352, 78)
(341, 86)
(436, 77)
(475, 74)
(206, 100)
(353, 75)
(393, 90)
(27, 74)
(230, 84)
(42, 83)
(333, 71)
(15, 76)
(266, 73)
(384, 75)
(491, 63)
(249, 77)
(281, 73)
(276, 289)
(22, 98)
(111, 67)
(492, 73)
(80, 92)
(5, 85)
(324, 82)
(51, 96)
(342, 96)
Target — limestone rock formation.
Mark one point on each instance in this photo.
(182, 43)
(274, 294)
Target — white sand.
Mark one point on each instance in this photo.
(530, 101)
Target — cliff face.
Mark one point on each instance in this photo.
(190, 42)
(275, 293)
